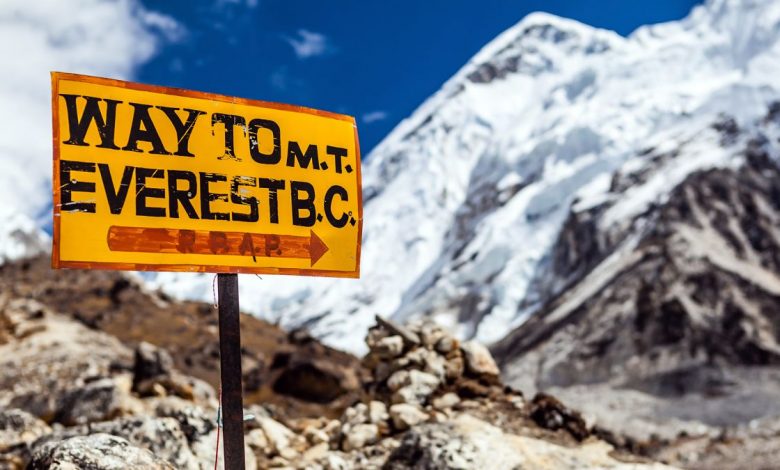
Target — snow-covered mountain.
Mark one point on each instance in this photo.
(465, 199)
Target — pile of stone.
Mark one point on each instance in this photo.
(422, 372)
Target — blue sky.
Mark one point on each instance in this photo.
(374, 60)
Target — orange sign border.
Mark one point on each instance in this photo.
(57, 263)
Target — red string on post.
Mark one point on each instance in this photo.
(219, 426)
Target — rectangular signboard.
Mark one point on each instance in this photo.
(162, 179)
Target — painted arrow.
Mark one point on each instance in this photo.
(210, 242)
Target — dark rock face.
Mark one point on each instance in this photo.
(703, 290)
(310, 380)
(673, 315)
(150, 362)
(96, 401)
(95, 452)
(549, 413)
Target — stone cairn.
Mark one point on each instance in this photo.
(420, 374)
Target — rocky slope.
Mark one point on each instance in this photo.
(74, 396)
(672, 321)
(289, 370)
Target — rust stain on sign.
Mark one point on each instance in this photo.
(255, 245)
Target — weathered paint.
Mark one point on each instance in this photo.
(165, 188)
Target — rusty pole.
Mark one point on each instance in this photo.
(230, 371)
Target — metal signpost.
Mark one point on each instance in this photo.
(230, 370)
(160, 179)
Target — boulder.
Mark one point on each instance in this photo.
(39, 370)
(446, 344)
(193, 420)
(150, 362)
(389, 347)
(257, 441)
(357, 414)
(382, 371)
(180, 385)
(478, 359)
(315, 435)
(426, 361)
(336, 462)
(100, 400)
(95, 452)
(18, 430)
(359, 436)
(377, 412)
(446, 401)
(316, 452)
(412, 386)
(410, 338)
(332, 428)
(18, 427)
(549, 413)
(374, 335)
(405, 416)
(397, 380)
(434, 446)
(280, 438)
(430, 334)
(162, 436)
(315, 380)
(454, 368)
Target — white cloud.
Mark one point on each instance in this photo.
(374, 116)
(309, 44)
(96, 37)
(163, 24)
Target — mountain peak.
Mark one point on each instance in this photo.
(533, 45)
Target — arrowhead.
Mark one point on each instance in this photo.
(317, 247)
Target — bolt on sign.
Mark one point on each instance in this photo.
(162, 179)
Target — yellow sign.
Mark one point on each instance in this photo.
(161, 179)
